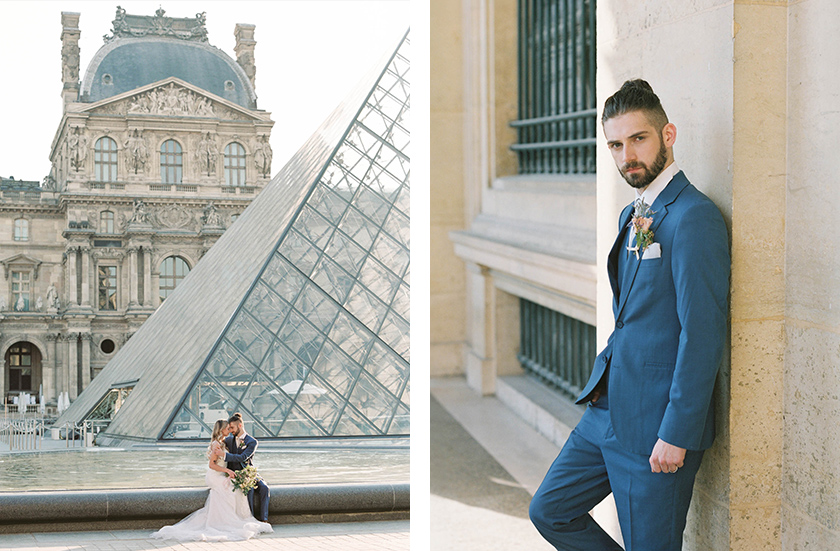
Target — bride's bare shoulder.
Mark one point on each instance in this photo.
(215, 445)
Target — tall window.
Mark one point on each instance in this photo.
(171, 162)
(234, 164)
(20, 291)
(21, 229)
(20, 367)
(557, 109)
(106, 222)
(172, 271)
(105, 160)
(107, 287)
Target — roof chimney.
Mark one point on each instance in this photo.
(244, 49)
(70, 33)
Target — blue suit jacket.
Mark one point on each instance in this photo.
(237, 457)
(663, 355)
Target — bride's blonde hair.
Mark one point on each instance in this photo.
(217, 434)
(217, 430)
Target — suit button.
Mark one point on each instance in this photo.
(619, 324)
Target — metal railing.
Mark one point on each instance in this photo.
(556, 348)
(557, 109)
(22, 434)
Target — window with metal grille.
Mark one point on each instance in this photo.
(171, 162)
(557, 110)
(234, 164)
(105, 160)
(556, 348)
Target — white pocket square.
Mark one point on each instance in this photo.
(654, 250)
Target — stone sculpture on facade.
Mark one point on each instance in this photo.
(125, 25)
(206, 155)
(52, 297)
(136, 152)
(77, 149)
(211, 217)
(39, 305)
(20, 305)
(262, 156)
(140, 214)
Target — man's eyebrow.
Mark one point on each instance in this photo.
(631, 136)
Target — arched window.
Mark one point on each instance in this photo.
(105, 160)
(106, 222)
(21, 229)
(234, 164)
(171, 162)
(172, 271)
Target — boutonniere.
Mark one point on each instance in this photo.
(640, 223)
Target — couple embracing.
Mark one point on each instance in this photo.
(227, 515)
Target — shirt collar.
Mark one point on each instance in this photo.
(658, 184)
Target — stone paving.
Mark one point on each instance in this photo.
(353, 536)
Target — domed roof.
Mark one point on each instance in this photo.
(124, 64)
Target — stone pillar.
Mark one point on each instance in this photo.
(70, 285)
(244, 49)
(71, 340)
(86, 277)
(86, 372)
(147, 277)
(478, 355)
(756, 414)
(50, 370)
(132, 277)
(70, 58)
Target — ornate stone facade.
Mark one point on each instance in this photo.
(143, 182)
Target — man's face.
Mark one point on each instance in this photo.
(234, 428)
(640, 152)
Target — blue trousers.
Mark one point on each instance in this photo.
(652, 507)
(258, 501)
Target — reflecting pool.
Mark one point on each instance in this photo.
(101, 468)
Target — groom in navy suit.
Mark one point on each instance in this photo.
(241, 447)
(650, 413)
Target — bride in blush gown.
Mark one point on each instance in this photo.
(225, 515)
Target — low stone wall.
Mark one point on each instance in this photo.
(46, 511)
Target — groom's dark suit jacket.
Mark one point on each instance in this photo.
(237, 458)
(662, 358)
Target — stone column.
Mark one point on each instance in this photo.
(71, 340)
(70, 58)
(244, 49)
(70, 286)
(86, 276)
(50, 370)
(147, 277)
(86, 374)
(132, 277)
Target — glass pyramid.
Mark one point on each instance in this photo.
(319, 345)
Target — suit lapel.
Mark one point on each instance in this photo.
(660, 208)
(617, 248)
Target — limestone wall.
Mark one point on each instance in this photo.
(811, 455)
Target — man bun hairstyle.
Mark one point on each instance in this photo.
(235, 418)
(635, 95)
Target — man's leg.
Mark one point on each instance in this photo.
(652, 507)
(574, 484)
(262, 499)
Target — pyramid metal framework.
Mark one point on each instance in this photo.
(314, 340)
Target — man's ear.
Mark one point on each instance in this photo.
(669, 134)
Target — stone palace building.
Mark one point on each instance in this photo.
(159, 149)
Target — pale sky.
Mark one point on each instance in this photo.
(309, 55)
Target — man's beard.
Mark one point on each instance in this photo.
(649, 174)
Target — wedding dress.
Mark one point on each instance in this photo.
(224, 517)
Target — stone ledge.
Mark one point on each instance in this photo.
(152, 508)
(547, 411)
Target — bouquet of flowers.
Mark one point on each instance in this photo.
(246, 479)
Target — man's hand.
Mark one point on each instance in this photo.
(666, 458)
(595, 395)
